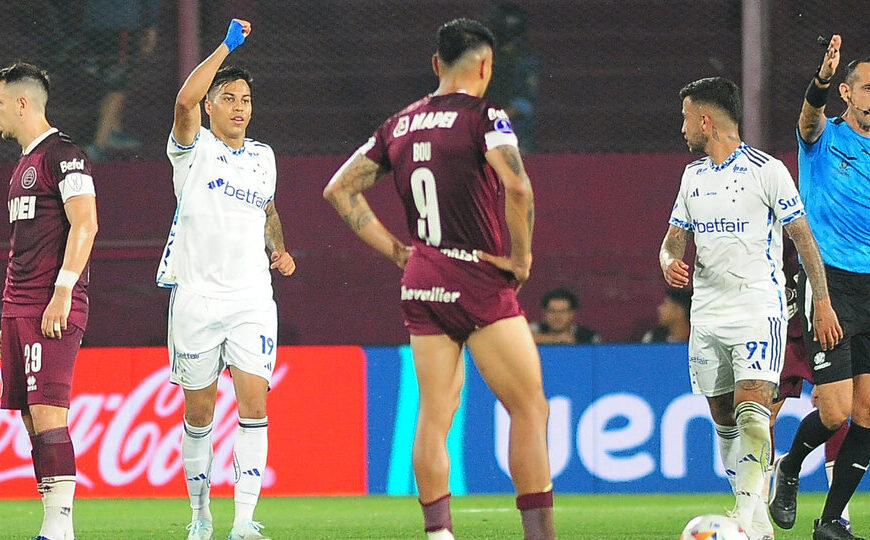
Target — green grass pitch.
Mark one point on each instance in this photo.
(578, 517)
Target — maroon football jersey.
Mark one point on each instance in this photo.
(40, 227)
(435, 148)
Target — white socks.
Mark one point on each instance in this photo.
(753, 421)
(728, 438)
(249, 462)
(57, 500)
(196, 455)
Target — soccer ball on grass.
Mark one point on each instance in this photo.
(713, 527)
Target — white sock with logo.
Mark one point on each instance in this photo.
(196, 455)
(728, 437)
(753, 420)
(59, 492)
(249, 463)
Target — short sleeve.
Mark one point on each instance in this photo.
(181, 158)
(376, 148)
(497, 129)
(71, 169)
(812, 149)
(680, 213)
(781, 192)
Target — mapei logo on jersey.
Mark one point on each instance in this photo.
(702, 170)
(785, 204)
(72, 165)
(719, 225)
(432, 120)
(28, 179)
(23, 207)
(740, 170)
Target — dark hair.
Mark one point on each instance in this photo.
(681, 297)
(228, 74)
(716, 91)
(853, 65)
(21, 71)
(458, 36)
(559, 294)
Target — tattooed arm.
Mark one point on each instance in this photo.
(826, 326)
(519, 211)
(676, 271)
(281, 258)
(344, 193)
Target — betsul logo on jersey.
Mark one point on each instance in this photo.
(720, 225)
(785, 204)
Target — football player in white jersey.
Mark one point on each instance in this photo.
(735, 202)
(221, 312)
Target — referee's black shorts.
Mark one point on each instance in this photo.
(850, 297)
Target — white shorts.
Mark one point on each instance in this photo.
(720, 355)
(206, 335)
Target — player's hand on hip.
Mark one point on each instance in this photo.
(236, 33)
(676, 273)
(826, 326)
(832, 58)
(401, 252)
(519, 266)
(54, 318)
(283, 262)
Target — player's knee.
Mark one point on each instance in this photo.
(834, 416)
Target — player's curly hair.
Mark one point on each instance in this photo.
(458, 36)
(22, 71)
(228, 74)
(717, 91)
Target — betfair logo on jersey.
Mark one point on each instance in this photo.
(247, 196)
(719, 225)
(72, 165)
(22, 208)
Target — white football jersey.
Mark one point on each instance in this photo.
(736, 211)
(217, 245)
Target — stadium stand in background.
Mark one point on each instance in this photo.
(328, 71)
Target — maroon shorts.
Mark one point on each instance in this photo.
(444, 295)
(795, 370)
(36, 370)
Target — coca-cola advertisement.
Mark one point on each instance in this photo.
(125, 421)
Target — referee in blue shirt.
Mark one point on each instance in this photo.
(834, 175)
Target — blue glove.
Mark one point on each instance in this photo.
(235, 37)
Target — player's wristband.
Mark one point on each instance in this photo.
(235, 37)
(815, 96)
(66, 278)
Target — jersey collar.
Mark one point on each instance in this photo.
(729, 160)
(36, 141)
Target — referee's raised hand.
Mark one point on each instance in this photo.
(832, 58)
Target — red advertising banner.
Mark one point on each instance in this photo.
(126, 422)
